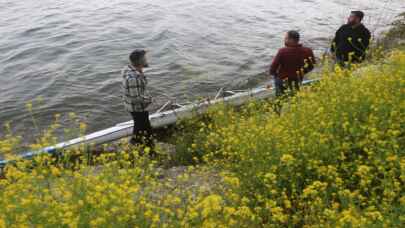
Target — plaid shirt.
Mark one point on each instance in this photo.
(134, 90)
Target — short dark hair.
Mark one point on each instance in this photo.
(137, 56)
(295, 35)
(358, 14)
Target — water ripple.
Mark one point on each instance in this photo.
(71, 52)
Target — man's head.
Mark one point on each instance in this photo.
(138, 58)
(355, 18)
(292, 38)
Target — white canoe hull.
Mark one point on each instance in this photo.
(158, 120)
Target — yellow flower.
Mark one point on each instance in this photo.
(278, 214)
(287, 204)
(72, 115)
(392, 158)
(287, 158)
(212, 204)
(233, 181)
(2, 223)
(402, 201)
(82, 127)
(29, 106)
(55, 171)
(363, 170)
(148, 214)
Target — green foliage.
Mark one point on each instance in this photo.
(336, 148)
(333, 158)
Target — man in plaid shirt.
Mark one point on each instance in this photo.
(136, 99)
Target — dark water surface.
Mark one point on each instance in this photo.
(70, 52)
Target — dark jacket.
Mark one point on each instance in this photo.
(293, 62)
(349, 39)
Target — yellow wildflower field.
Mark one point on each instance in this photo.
(334, 158)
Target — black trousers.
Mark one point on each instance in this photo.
(281, 87)
(142, 132)
(293, 85)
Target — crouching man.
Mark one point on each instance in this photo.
(136, 99)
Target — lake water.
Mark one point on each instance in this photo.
(70, 53)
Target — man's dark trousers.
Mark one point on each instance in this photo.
(142, 132)
(293, 85)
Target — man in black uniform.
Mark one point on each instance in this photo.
(352, 40)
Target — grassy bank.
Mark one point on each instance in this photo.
(335, 157)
